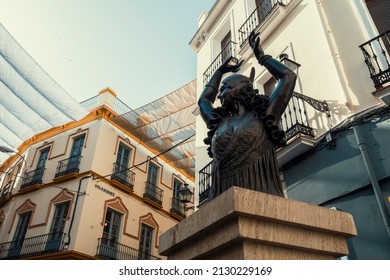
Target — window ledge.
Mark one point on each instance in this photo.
(30, 188)
(383, 94)
(152, 202)
(127, 188)
(66, 177)
(295, 147)
(176, 215)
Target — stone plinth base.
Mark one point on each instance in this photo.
(241, 224)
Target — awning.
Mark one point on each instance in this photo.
(30, 100)
(167, 125)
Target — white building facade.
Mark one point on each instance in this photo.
(340, 50)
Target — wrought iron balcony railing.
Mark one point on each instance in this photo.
(295, 118)
(7, 189)
(294, 121)
(69, 165)
(33, 246)
(205, 180)
(178, 207)
(227, 52)
(153, 193)
(257, 17)
(376, 54)
(33, 177)
(111, 250)
(123, 175)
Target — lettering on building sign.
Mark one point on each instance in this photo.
(104, 190)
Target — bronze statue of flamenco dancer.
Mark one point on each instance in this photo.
(244, 133)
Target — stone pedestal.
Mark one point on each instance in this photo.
(241, 224)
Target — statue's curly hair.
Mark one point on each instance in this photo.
(251, 100)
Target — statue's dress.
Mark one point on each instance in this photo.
(243, 156)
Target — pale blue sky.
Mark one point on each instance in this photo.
(139, 48)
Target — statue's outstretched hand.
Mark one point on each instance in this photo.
(254, 42)
(226, 67)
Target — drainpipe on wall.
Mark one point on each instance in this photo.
(67, 243)
(374, 181)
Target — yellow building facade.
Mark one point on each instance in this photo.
(89, 189)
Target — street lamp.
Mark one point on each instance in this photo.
(294, 66)
(5, 149)
(289, 63)
(11, 184)
(185, 195)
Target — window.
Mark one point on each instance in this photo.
(38, 173)
(380, 12)
(109, 243)
(226, 51)
(263, 8)
(178, 207)
(269, 86)
(75, 153)
(20, 233)
(145, 243)
(121, 171)
(42, 158)
(21, 228)
(221, 48)
(152, 174)
(77, 146)
(152, 191)
(111, 228)
(177, 186)
(57, 226)
(121, 165)
(123, 156)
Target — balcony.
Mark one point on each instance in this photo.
(6, 192)
(295, 118)
(68, 166)
(257, 17)
(205, 182)
(33, 246)
(153, 195)
(110, 250)
(122, 175)
(178, 208)
(33, 177)
(227, 52)
(294, 122)
(377, 58)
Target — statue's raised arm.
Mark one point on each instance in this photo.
(285, 76)
(211, 90)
